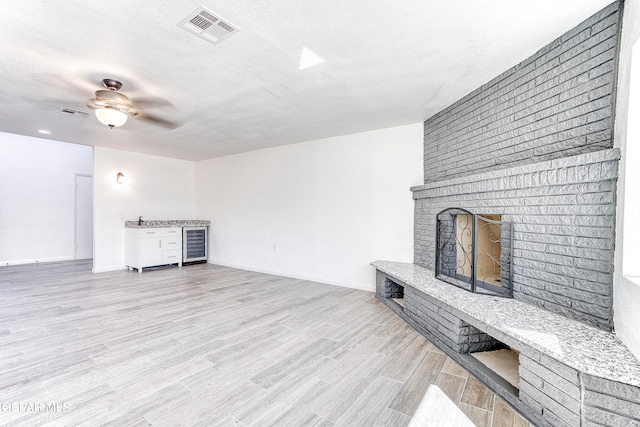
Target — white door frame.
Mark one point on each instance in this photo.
(75, 210)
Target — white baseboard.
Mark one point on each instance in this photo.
(37, 260)
(371, 288)
(107, 269)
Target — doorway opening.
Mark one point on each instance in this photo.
(83, 217)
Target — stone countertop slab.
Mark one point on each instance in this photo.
(166, 223)
(582, 347)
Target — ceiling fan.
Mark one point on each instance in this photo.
(113, 108)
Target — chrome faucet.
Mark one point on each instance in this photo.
(140, 220)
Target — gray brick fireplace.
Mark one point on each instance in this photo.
(533, 148)
(563, 216)
(534, 145)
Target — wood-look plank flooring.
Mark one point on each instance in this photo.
(206, 345)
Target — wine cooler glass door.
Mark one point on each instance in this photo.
(195, 244)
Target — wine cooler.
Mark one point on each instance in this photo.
(194, 244)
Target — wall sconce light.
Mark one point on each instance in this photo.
(120, 178)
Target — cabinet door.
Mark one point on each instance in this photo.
(150, 252)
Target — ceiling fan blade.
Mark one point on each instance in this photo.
(155, 120)
(150, 102)
(112, 98)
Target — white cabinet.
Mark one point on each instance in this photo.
(148, 247)
(149, 252)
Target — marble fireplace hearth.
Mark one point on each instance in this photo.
(568, 371)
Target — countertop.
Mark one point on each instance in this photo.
(167, 223)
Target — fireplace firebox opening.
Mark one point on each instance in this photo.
(474, 251)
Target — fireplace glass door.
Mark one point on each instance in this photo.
(474, 251)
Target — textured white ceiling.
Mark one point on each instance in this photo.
(386, 63)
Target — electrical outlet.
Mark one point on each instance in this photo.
(275, 247)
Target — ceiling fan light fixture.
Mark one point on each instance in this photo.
(111, 116)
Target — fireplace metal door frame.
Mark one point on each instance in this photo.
(457, 278)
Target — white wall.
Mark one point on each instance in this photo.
(154, 187)
(319, 210)
(626, 290)
(37, 197)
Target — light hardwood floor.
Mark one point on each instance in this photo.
(206, 345)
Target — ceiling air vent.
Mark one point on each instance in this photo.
(208, 25)
(71, 112)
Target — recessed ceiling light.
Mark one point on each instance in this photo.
(46, 132)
